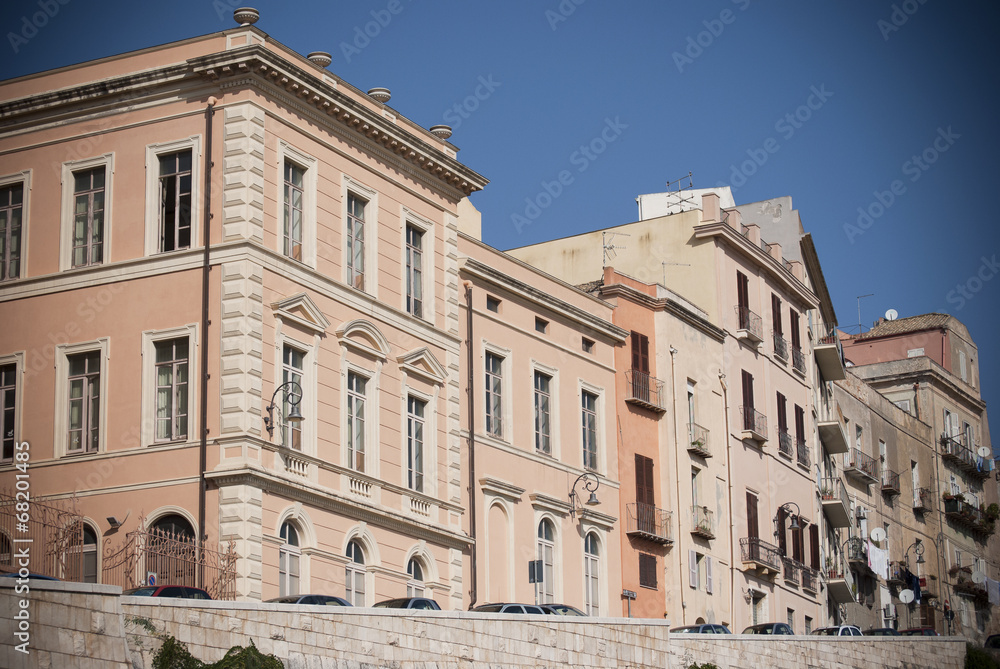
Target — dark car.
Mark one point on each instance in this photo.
(510, 608)
(840, 630)
(562, 610)
(417, 603)
(769, 628)
(881, 631)
(320, 600)
(992, 642)
(919, 631)
(707, 628)
(38, 577)
(179, 591)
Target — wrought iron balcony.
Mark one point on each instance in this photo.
(968, 516)
(890, 482)
(698, 437)
(760, 556)
(754, 425)
(836, 503)
(785, 443)
(644, 390)
(810, 579)
(798, 360)
(702, 524)
(861, 466)
(780, 345)
(972, 590)
(922, 500)
(830, 357)
(649, 522)
(896, 575)
(748, 325)
(856, 551)
(802, 452)
(839, 580)
(953, 450)
(831, 431)
(791, 571)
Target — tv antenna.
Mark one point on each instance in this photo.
(678, 191)
(610, 248)
(860, 322)
(663, 270)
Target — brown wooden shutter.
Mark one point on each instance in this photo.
(747, 389)
(644, 480)
(797, 547)
(800, 423)
(782, 418)
(776, 314)
(743, 298)
(814, 546)
(640, 352)
(752, 529)
(782, 543)
(796, 342)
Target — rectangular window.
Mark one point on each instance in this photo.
(175, 201)
(414, 271)
(814, 546)
(356, 398)
(88, 217)
(171, 389)
(494, 395)
(541, 325)
(543, 431)
(858, 437)
(356, 241)
(492, 304)
(782, 414)
(794, 327)
(8, 401)
(692, 419)
(647, 570)
(11, 208)
(743, 300)
(776, 315)
(294, 200)
(709, 576)
(752, 523)
(84, 402)
(415, 443)
(644, 494)
(640, 353)
(808, 625)
(587, 345)
(292, 368)
(589, 414)
(694, 569)
(790, 618)
(747, 389)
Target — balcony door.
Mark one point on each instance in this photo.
(645, 501)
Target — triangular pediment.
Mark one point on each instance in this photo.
(421, 362)
(302, 310)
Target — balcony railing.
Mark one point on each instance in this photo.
(966, 515)
(748, 325)
(798, 360)
(896, 574)
(698, 437)
(961, 450)
(922, 500)
(802, 452)
(861, 466)
(780, 346)
(649, 522)
(830, 357)
(644, 390)
(856, 550)
(759, 554)
(754, 424)
(836, 503)
(890, 482)
(831, 430)
(810, 579)
(973, 590)
(702, 524)
(839, 580)
(785, 443)
(791, 571)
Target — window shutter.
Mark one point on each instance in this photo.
(693, 569)
(708, 575)
(742, 294)
(794, 315)
(782, 545)
(776, 314)
(814, 545)
(643, 480)
(800, 423)
(752, 530)
(747, 389)
(782, 414)
(635, 350)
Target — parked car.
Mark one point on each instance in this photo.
(39, 577)
(321, 600)
(769, 628)
(562, 610)
(919, 631)
(701, 629)
(179, 591)
(881, 631)
(417, 603)
(510, 608)
(992, 645)
(841, 630)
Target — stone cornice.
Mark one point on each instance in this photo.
(664, 304)
(914, 370)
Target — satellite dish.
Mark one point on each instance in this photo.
(891, 315)
(984, 451)
(978, 577)
(878, 534)
(906, 596)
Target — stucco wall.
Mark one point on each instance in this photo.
(84, 626)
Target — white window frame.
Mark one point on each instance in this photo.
(542, 594)
(415, 587)
(153, 153)
(60, 421)
(67, 208)
(24, 178)
(309, 165)
(16, 359)
(352, 569)
(555, 442)
(371, 417)
(148, 397)
(285, 553)
(592, 577)
(506, 412)
(428, 444)
(428, 239)
(599, 426)
(351, 185)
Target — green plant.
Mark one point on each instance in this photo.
(977, 658)
(707, 665)
(993, 511)
(174, 655)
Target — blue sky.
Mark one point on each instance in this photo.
(893, 110)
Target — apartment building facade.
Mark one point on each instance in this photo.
(204, 241)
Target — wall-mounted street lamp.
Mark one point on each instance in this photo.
(795, 516)
(590, 483)
(293, 396)
(918, 550)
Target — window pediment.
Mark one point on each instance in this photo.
(300, 309)
(364, 337)
(421, 362)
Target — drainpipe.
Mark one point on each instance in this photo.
(677, 470)
(206, 269)
(473, 566)
(729, 483)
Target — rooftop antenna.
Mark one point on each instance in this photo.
(860, 323)
(663, 269)
(679, 188)
(610, 248)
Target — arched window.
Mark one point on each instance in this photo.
(170, 551)
(546, 553)
(175, 526)
(592, 570)
(415, 586)
(354, 580)
(89, 555)
(288, 561)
